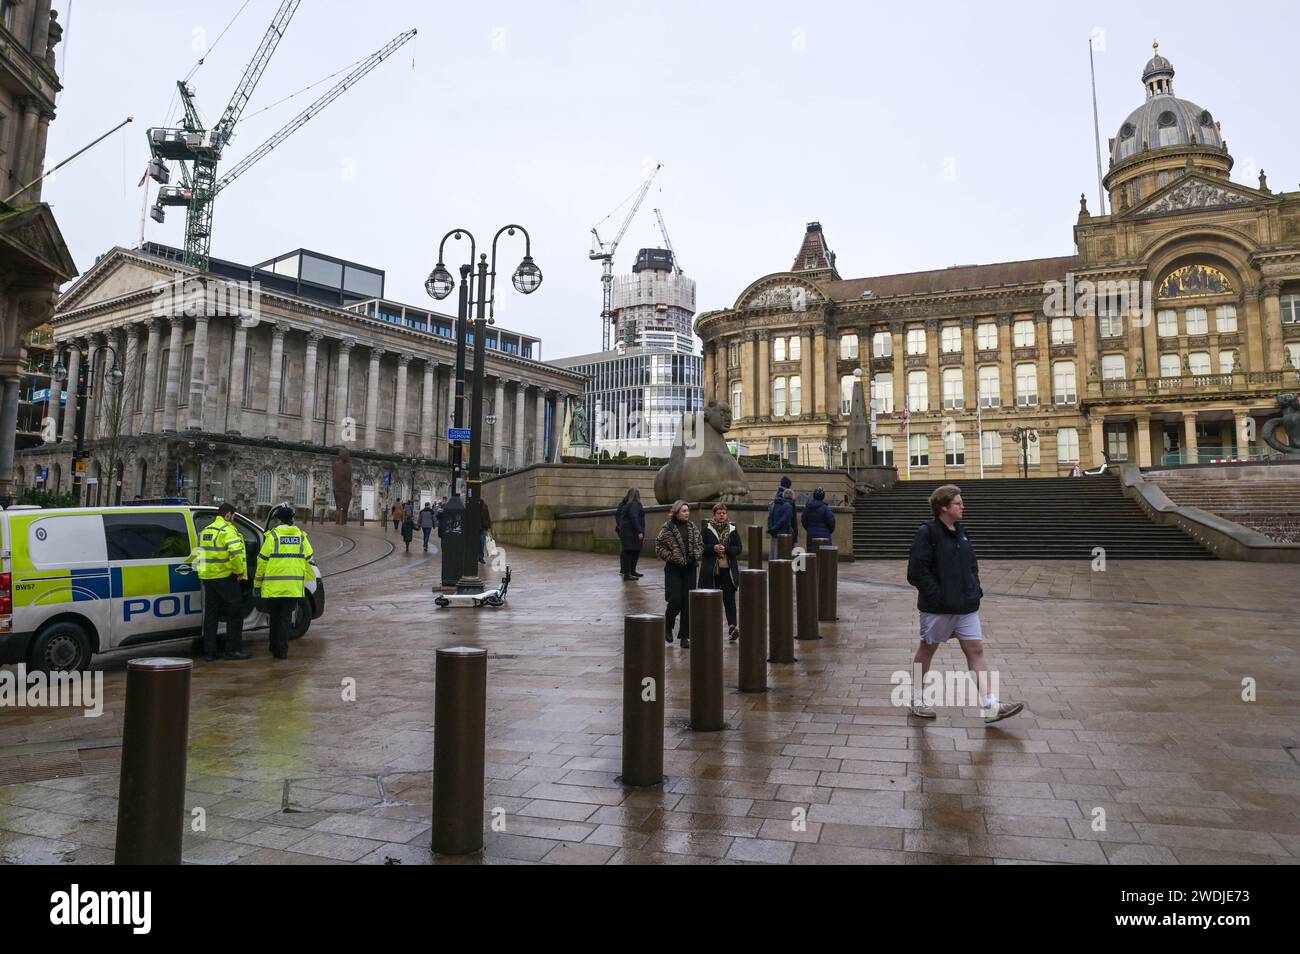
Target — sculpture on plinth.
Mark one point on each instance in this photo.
(700, 467)
(342, 472)
(1290, 424)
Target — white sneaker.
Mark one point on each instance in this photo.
(923, 712)
(1004, 711)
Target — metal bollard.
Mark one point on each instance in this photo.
(828, 576)
(805, 585)
(753, 631)
(151, 787)
(643, 699)
(459, 740)
(706, 660)
(756, 547)
(816, 543)
(780, 611)
(784, 546)
(363, 518)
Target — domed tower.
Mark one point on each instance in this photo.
(1164, 138)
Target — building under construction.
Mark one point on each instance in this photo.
(653, 306)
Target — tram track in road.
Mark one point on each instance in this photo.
(352, 545)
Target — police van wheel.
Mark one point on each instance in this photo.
(61, 647)
(300, 622)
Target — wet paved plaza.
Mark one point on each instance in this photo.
(1132, 680)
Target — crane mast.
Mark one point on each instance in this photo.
(604, 253)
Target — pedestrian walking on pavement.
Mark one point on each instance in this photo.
(427, 519)
(680, 545)
(408, 530)
(283, 568)
(943, 568)
(629, 521)
(396, 514)
(720, 564)
(222, 565)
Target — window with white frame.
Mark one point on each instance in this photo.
(1225, 318)
(954, 449)
(1227, 361)
(885, 451)
(990, 386)
(796, 394)
(916, 341)
(795, 349)
(737, 397)
(1117, 445)
(918, 450)
(1062, 331)
(1034, 452)
(950, 339)
(733, 354)
(1170, 366)
(1112, 367)
(1026, 385)
(848, 347)
(1067, 445)
(846, 393)
(952, 389)
(918, 391)
(1196, 321)
(778, 397)
(1167, 323)
(1063, 382)
(882, 345)
(300, 490)
(1110, 326)
(264, 486)
(778, 349)
(1293, 350)
(1290, 309)
(884, 393)
(986, 336)
(1022, 334)
(1199, 362)
(992, 442)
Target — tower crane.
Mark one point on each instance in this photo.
(668, 243)
(202, 147)
(604, 252)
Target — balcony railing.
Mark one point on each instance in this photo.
(1199, 383)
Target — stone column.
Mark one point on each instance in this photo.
(499, 428)
(8, 425)
(70, 408)
(234, 423)
(815, 383)
(95, 356)
(1241, 433)
(25, 160)
(148, 415)
(710, 361)
(539, 448)
(1269, 309)
(970, 382)
(274, 380)
(309, 368)
(764, 386)
(518, 456)
(428, 426)
(399, 418)
(900, 371)
(129, 382)
(1043, 342)
(1144, 440)
(341, 405)
(1006, 363)
(1189, 438)
(748, 378)
(1097, 440)
(372, 399)
(198, 383)
(171, 394)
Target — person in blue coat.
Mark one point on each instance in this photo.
(818, 518)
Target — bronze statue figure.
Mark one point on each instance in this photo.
(342, 486)
(1289, 422)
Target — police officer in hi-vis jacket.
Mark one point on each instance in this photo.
(283, 567)
(221, 565)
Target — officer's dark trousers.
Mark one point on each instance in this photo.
(281, 612)
(223, 598)
(678, 582)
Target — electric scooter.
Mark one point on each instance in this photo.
(495, 597)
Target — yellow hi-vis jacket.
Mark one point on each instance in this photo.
(220, 552)
(285, 563)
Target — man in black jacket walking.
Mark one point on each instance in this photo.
(943, 568)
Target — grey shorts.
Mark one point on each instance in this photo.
(939, 627)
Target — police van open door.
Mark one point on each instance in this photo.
(155, 590)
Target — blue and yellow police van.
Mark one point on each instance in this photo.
(76, 582)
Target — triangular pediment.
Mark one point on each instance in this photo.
(116, 275)
(33, 246)
(1196, 193)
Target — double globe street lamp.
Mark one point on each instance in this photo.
(465, 515)
(113, 378)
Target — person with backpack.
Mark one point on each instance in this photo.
(781, 519)
(629, 522)
(720, 564)
(943, 568)
(680, 545)
(818, 518)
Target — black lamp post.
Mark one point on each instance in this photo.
(526, 279)
(1024, 436)
(86, 374)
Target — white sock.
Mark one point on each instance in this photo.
(990, 701)
(917, 698)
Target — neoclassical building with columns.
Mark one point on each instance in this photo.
(1166, 338)
(244, 382)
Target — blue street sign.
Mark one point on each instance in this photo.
(458, 433)
(388, 478)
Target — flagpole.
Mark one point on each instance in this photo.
(907, 433)
(979, 429)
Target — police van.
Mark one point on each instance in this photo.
(80, 581)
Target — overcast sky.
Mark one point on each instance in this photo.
(920, 135)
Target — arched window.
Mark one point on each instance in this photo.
(737, 398)
(300, 483)
(1167, 128)
(1127, 140)
(263, 486)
